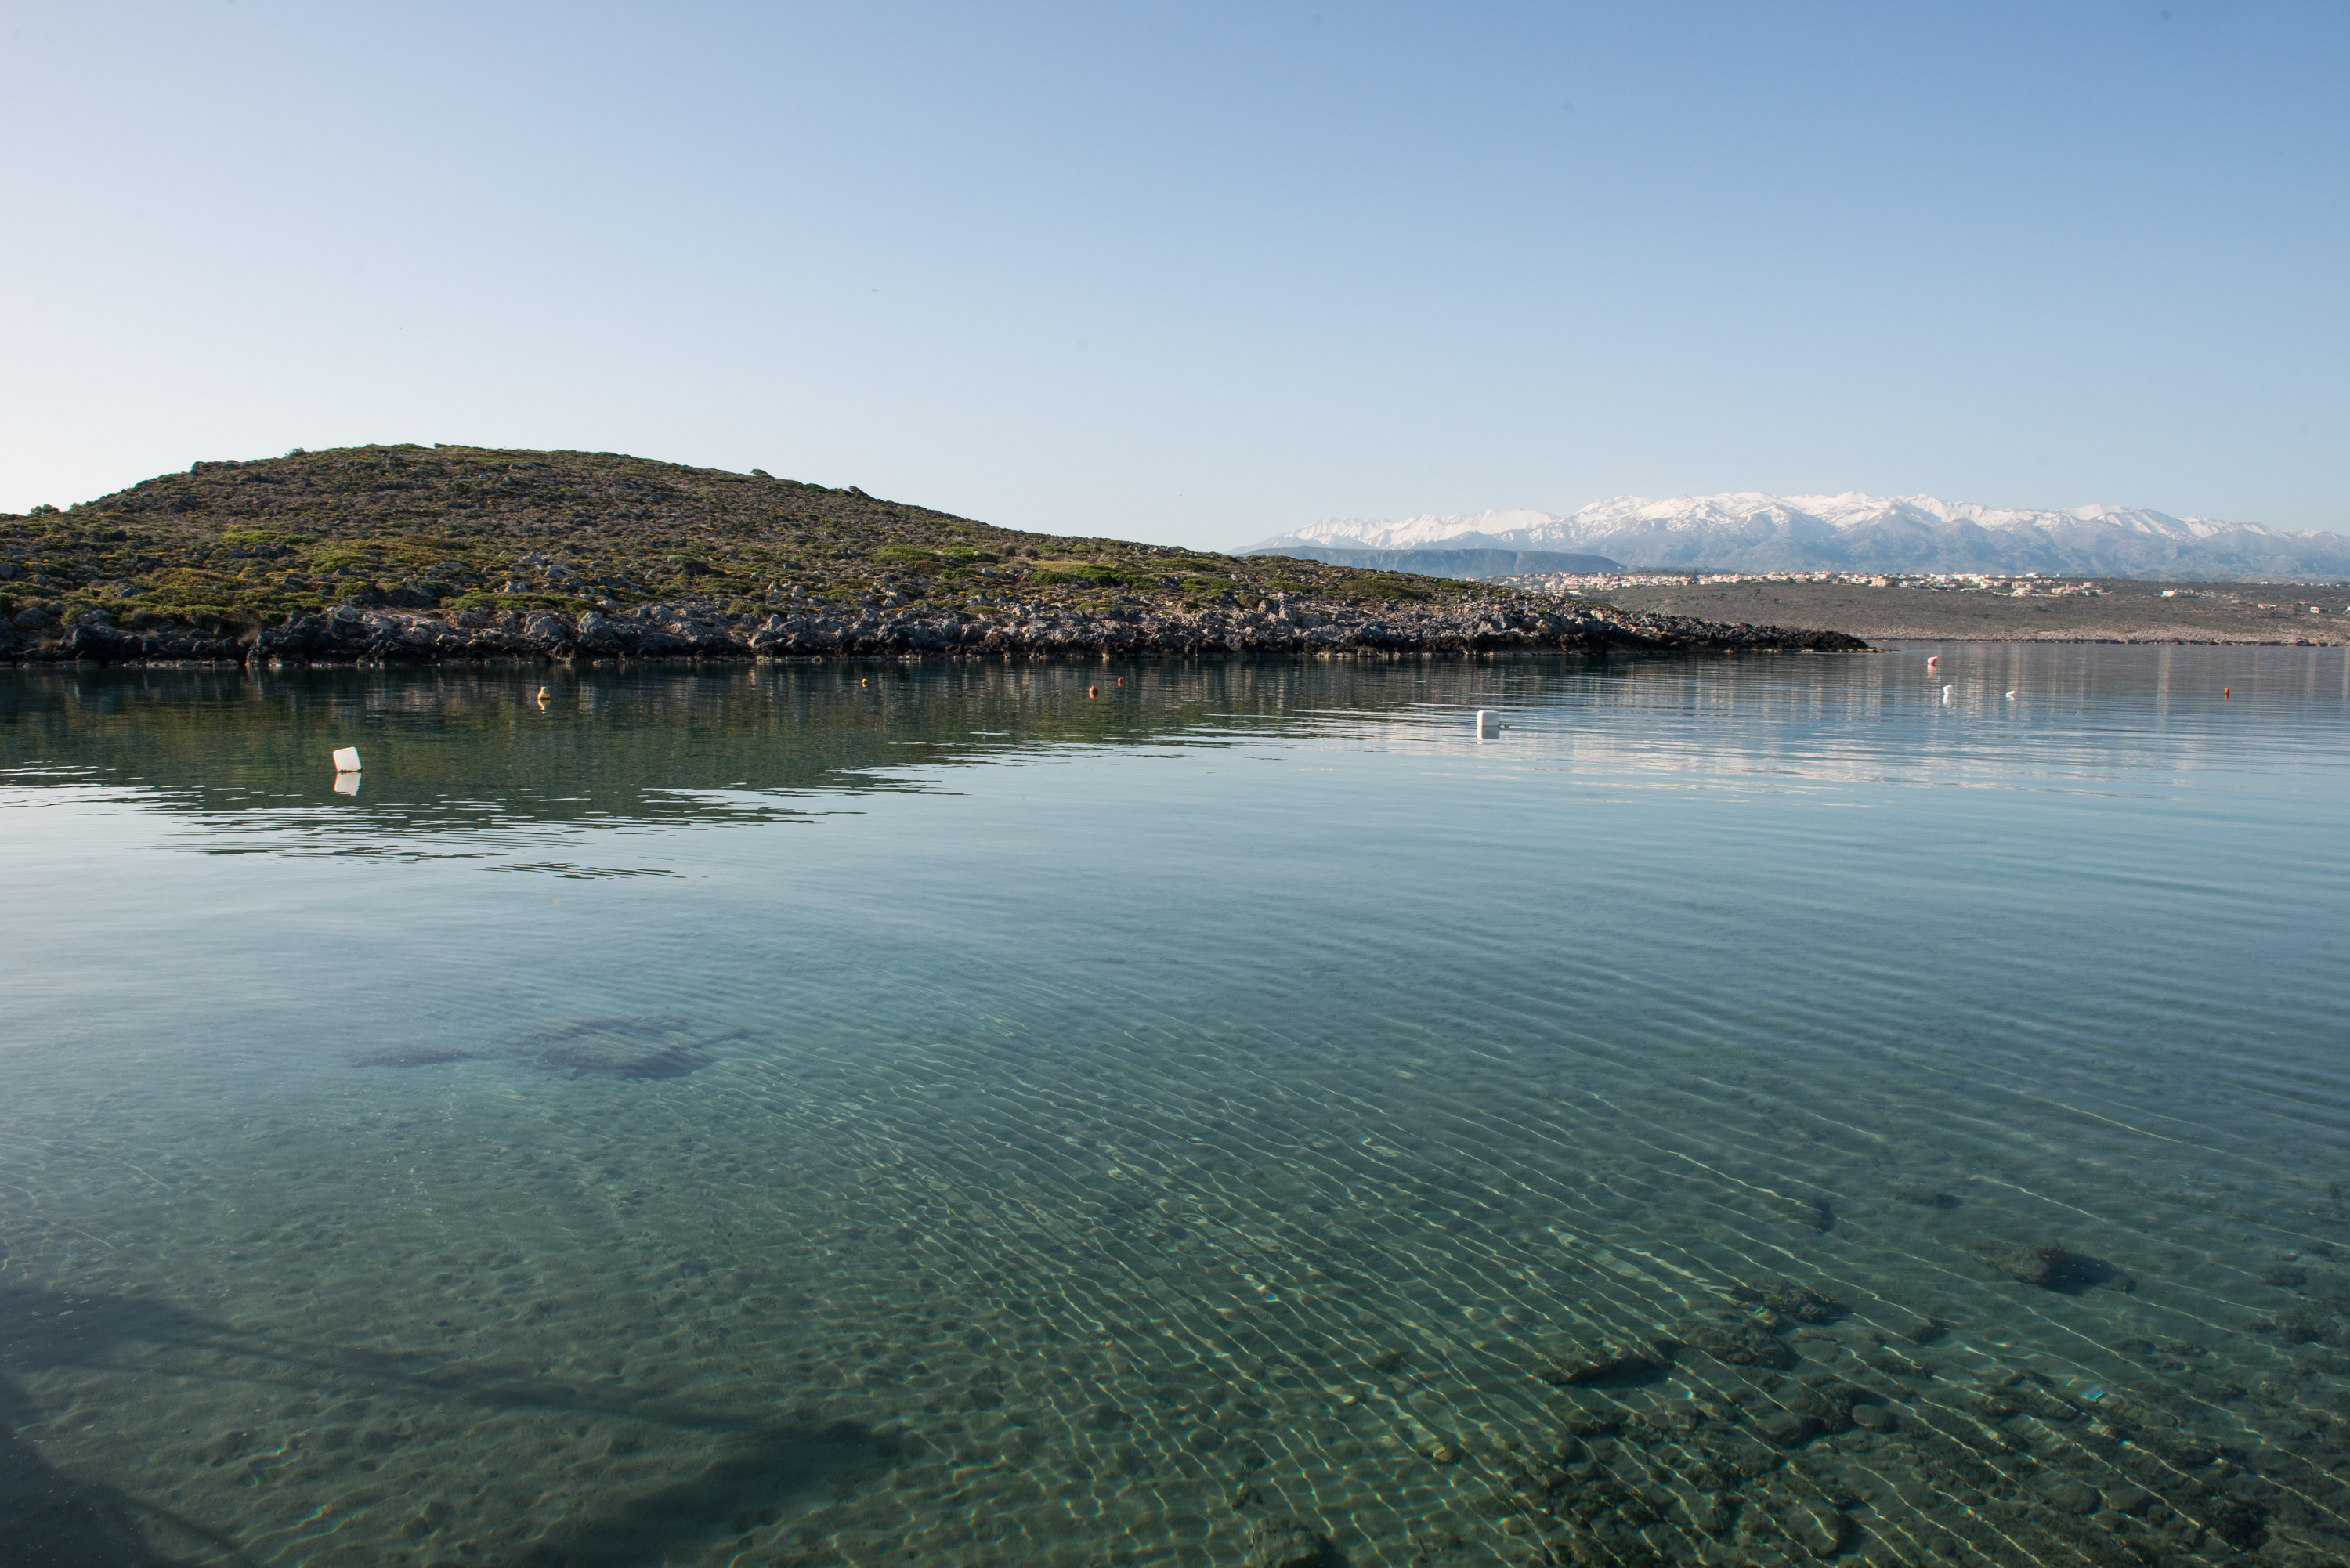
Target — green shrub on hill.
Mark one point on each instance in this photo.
(262, 538)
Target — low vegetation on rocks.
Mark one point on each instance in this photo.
(385, 553)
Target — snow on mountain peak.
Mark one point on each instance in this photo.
(1749, 530)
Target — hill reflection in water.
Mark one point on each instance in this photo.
(471, 763)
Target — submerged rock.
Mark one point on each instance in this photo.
(1919, 1193)
(1818, 1528)
(628, 1048)
(1588, 1416)
(1634, 1361)
(2305, 1326)
(2051, 1266)
(1739, 1341)
(1787, 1429)
(2071, 1496)
(1286, 1543)
(1808, 1213)
(1784, 1296)
(1829, 1402)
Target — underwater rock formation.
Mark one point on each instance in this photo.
(1798, 1301)
(1919, 1193)
(1630, 1361)
(2051, 1266)
(1287, 1542)
(1738, 1340)
(627, 1048)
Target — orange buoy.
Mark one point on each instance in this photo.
(1092, 690)
(1121, 681)
(2223, 690)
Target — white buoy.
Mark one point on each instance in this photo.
(347, 760)
(1946, 694)
(1486, 722)
(2011, 696)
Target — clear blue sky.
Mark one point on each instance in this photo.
(1198, 273)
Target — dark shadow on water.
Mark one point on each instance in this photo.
(647, 1067)
(641, 1049)
(48, 1517)
(2075, 1273)
(51, 1520)
(1630, 1376)
(631, 1049)
(743, 1490)
(2050, 1266)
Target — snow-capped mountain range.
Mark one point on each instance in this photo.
(1749, 531)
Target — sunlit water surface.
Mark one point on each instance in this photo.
(1742, 1111)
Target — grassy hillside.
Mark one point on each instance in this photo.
(235, 543)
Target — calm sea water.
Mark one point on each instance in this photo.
(1743, 1111)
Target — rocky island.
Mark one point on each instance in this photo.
(411, 554)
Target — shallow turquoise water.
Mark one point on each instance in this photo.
(897, 1114)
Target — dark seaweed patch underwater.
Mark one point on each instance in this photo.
(626, 1048)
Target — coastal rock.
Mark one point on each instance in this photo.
(597, 633)
(369, 630)
(94, 640)
(548, 632)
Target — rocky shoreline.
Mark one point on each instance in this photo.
(2122, 610)
(350, 634)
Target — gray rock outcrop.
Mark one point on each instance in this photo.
(353, 634)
